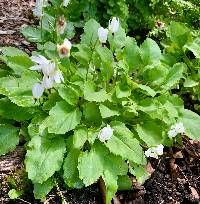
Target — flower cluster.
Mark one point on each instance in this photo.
(176, 129)
(105, 133)
(155, 151)
(113, 27)
(50, 72)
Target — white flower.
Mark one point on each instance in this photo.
(159, 149)
(155, 151)
(105, 133)
(65, 2)
(176, 129)
(113, 25)
(57, 76)
(37, 90)
(47, 82)
(43, 64)
(103, 34)
(64, 49)
(179, 127)
(172, 133)
(61, 25)
(38, 10)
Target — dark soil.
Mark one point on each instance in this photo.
(15, 14)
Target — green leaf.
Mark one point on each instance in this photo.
(69, 94)
(84, 54)
(189, 82)
(164, 108)
(92, 114)
(147, 90)
(90, 166)
(12, 52)
(13, 194)
(194, 47)
(150, 52)
(191, 123)
(10, 110)
(140, 173)
(179, 33)
(71, 174)
(41, 190)
(113, 167)
(150, 132)
(44, 157)
(90, 35)
(131, 53)
(34, 126)
(108, 111)
(32, 34)
(124, 144)
(9, 138)
(80, 137)
(175, 74)
(122, 90)
(62, 118)
(19, 64)
(107, 60)
(19, 90)
(91, 95)
(124, 183)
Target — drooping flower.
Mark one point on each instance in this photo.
(47, 82)
(154, 152)
(43, 64)
(176, 129)
(64, 49)
(113, 25)
(51, 74)
(105, 133)
(66, 2)
(103, 34)
(37, 90)
(57, 76)
(38, 10)
(61, 25)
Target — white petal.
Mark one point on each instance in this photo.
(68, 44)
(47, 82)
(37, 90)
(40, 60)
(105, 134)
(66, 2)
(49, 69)
(159, 149)
(36, 68)
(57, 77)
(103, 34)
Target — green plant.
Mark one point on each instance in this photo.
(96, 107)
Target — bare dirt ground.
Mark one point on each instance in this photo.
(176, 177)
(13, 15)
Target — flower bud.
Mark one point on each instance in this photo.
(114, 25)
(64, 49)
(103, 34)
(61, 25)
(37, 90)
(105, 134)
(66, 2)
